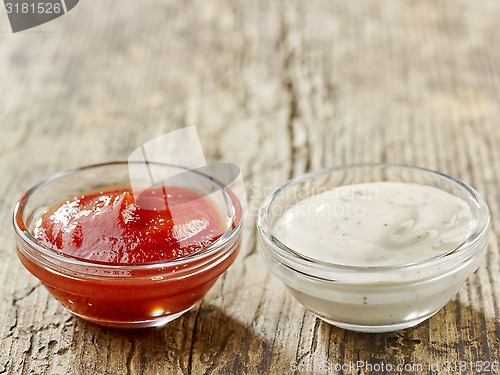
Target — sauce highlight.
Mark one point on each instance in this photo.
(111, 227)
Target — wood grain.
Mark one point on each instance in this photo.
(279, 88)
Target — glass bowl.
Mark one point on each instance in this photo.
(371, 298)
(117, 295)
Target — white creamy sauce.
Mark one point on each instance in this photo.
(376, 224)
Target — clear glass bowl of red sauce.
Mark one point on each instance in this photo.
(123, 257)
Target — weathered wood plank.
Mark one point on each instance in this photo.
(279, 88)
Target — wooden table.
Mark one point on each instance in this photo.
(278, 88)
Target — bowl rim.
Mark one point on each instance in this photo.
(52, 255)
(288, 254)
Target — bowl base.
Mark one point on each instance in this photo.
(150, 323)
(379, 328)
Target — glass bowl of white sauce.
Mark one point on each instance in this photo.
(373, 247)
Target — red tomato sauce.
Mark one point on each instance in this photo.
(112, 227)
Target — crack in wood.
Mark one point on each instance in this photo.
(193, 340)
(288, 85)
(25, 363)
(276, 331)
(213, 357)
(314, 339)
(12, 327)
(25, 293)
(134, 352)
